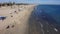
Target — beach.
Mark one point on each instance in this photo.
(16, 21)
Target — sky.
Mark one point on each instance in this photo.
(34, 1)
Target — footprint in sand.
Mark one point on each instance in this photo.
(7, 27)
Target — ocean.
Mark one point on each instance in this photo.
(52, 12)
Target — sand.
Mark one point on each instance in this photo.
(16, 21)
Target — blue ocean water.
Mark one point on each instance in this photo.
(49, 13)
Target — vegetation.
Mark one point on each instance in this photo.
(11, 3)
(7, 4)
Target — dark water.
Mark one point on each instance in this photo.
(51, 12)
(43, 14)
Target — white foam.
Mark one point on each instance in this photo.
(56, 29)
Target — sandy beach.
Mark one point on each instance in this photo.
(16, 19)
